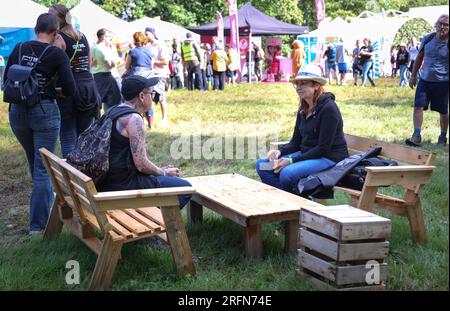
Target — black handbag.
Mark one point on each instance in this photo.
(21, 85)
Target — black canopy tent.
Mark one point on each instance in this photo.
(252, 22)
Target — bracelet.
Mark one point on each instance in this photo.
(290, 159)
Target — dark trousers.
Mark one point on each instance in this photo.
(194, 76)
(219, 80)
(108, 89)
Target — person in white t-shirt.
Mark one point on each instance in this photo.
(160, 70)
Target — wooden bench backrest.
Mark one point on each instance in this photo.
(69, 181)
(402, 154)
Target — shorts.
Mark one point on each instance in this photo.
(231, 73)
(357, 68)
(434, 93)
(342, 67)
(160, 91)
(332, 66)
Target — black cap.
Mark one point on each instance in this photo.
(133, 85)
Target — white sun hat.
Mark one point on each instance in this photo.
(310, 72)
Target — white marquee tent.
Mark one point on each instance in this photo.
(91, 18)
(165, 31)
(25, 16)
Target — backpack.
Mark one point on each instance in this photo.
(91, 154)
(21, 85)
(357, 176)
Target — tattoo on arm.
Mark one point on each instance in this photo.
(136, 135)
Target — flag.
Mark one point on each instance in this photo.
(220, 35)
(320, 11)
(234, 28)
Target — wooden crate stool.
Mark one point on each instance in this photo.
(343, 247)
(119, 216)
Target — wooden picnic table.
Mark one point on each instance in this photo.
(249, 203)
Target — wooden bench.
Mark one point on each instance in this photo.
(120, 217)
(414, 171)
(248, 203)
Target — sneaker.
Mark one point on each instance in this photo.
(35, 232)
(442, 141)
(415, 141)
(163, 123)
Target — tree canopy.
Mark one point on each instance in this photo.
(197, 12)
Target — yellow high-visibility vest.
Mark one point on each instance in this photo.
(188, 52)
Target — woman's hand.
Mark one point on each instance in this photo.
(274, 154)
(280, 164)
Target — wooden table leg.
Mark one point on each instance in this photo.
(194, 212)
(291, 236)
(253, 241)
(178, 240)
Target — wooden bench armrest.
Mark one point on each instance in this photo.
(160, 197)
(398, 175)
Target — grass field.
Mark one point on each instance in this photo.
(245, 112)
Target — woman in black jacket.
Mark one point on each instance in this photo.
(38, 126)
(318, 141)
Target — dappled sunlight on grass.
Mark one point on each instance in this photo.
(263, 111)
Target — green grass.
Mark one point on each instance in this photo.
(267, 111)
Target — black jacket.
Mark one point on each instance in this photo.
(320, 135)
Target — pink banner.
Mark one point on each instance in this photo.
(220, 35)
(234, 26)
(320, 11)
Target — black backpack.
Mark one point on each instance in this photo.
(91, 154)
(21, 85)
(357, 176)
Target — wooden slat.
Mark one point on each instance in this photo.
(153, 226)
(152, 213)
(121, 230)
(363, 251)
(319, 243)
(129, 222)
(411, 175)
(316, 265)
(146, 193)
(319, 223)
(360, 229)
(357, 274)
(389, 150)
(136, 203)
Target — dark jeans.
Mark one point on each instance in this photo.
(108, 89)
(170, 181)
(71, 128)
(194, 75)
(219, 80)
(35, 128)
(258, 69)
(289, 176)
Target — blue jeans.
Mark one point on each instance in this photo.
(289, 176)
(35, 128)
(171, 181)
(71, 128)
(403, 79)
(365, 73)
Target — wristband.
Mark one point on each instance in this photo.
(290, 159)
